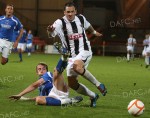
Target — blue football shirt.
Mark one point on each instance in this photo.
(46, 87)
(7, 26)
(29, 38)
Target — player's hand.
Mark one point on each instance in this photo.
(15, 97)
(15, 44)
(50, 28)
(98, 34)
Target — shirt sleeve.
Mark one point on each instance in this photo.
(47, 76)
(86, 23)
(19, 25)
(58, 26)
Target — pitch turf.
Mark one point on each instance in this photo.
(124, 81)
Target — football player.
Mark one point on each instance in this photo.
(8, 23)
(57, 91)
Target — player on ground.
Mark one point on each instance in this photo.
(131, 42)
(44, 82)
(59, 95)
(8, 23)
(71, 30)
(22, 45)
(29, 42)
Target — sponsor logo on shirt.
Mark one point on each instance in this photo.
(75, 36)
(5, 26)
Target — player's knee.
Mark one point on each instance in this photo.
(78, 66)
(39, 100)
(72, 86)
(73, 83)
(4, 61)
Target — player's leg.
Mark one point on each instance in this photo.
(20, 54)
(40, 100)
(28, 49)
(63, 61)
(62, 64)
(19, 51)
(82, 89)
(22, 49)
(132, 53)
(44, 100)
(5, 54)
(29, 46)
(144, 56)
(4, 60)
(6, 50)
(80, 67)
(50, 101)
(128, 53)
(147, 61)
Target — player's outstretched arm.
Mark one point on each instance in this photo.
(93, 31)
(50, 29)
(18, 38)
(28, 89)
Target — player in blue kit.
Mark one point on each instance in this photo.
(22, 45)
(15, 35)
(44, 82)
(29, 42)
(58, 95)
(8, 23)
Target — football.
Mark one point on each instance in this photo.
(136, 107)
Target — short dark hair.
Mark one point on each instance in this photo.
(43, 64)
(10, 5)
(69, 4)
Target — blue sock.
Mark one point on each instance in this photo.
(149, 60)
(20, 56)
(52, 101)
(61, 65)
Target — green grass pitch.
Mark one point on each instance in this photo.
(124, 81)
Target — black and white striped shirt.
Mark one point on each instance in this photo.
(72, 34)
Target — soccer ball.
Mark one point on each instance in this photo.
(136, 107)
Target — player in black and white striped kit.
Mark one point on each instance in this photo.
(71, 30)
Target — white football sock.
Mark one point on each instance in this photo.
(87, 75)
(147, 60)
(65, 101)
(128, 57)
(85, 91)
